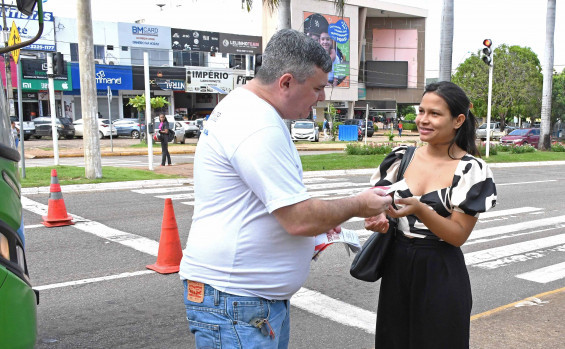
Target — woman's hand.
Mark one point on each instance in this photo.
(410, 206)
(377, 223)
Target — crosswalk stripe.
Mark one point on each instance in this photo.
(496, 253)
(513, 228)
(326, 186)
(176, 196)
(319, 304)
(508, 212)
(545, 275)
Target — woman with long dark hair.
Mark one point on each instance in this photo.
(164, 137)
(425, 296)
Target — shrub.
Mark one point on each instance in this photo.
(409, 127)
(410, 117)
(390, 136)
(504, 147)
(369, 149)
(483, 149)
(522, 149)
(558, 147)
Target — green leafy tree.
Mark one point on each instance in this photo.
(138, 102)
(558, 98)
(517, 83)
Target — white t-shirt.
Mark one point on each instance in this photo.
(245, 167)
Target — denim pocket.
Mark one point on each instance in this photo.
(207, 335)
(243, 311)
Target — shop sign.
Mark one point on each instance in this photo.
(240, 80)
(38, 85)
(240, 44)
(209, 81)
(116, 77)
(194, 40)
(28, 26)
(37, 69)
(146, 36)
(171, 84)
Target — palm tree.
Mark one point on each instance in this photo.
(545, 139)
(446, 41)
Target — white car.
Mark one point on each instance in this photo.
(104, 128)
(191, 129)
(304, 130)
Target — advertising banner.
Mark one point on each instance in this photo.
(160, 78)
(332, 32)
(28, 26)
(209, 81)
(195, 40)
(37, 69)
(115, 76)
(240, 44)
(146, 36)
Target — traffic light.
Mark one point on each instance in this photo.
(58, 64)
(487, 51)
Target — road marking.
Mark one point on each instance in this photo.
(136, 242)
(321, 305)
(164, 190)
(32, 226)
(531, 182)
(176, 196)
(91, 280)
(545, 275)
(496, 253)
(325, 186)
(513, 228)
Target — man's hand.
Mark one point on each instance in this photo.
(377, 223)
(373, 202)
(406, 206)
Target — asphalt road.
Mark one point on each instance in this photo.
(88, 299)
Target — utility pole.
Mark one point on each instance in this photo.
(54, 133)
(92, 159)
(9, 91)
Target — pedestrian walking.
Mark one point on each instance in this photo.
(15, 134)
(164, 138)
(326, 127)
(400, 129)
(252, 235)
(425, 296)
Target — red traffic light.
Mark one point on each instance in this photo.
(487, 42)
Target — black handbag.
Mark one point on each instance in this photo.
(368, 264)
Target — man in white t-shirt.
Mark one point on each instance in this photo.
(252, 235)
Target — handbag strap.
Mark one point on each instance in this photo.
(406, 158)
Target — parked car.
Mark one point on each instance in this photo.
(522, 136)
(127, 127)
(191, 129)
(65, 127)
(29, 127)
(361, 123)
(495, 132)
(304, 130)
(104, 128)
(18, 300)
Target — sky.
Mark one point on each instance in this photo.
(511, 22)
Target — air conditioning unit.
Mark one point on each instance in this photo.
(112, 61)
(97, 61)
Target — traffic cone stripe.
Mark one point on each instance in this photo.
(56, 196)
(170, 251)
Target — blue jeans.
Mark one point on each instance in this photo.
(222, 320)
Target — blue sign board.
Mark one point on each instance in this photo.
(116, 76)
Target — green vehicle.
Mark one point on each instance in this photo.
(18, 300)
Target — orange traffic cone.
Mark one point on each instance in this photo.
(56, 211)
(170, 252)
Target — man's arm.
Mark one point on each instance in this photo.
(313, 217)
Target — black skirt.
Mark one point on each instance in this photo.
(425, 297)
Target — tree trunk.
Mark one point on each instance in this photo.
(545, 137)
(92, 159)
(446, 41)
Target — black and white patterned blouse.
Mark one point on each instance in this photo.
(472, 191)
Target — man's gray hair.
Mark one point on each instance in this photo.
(290, 51)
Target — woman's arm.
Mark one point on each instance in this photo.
(454, 229)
